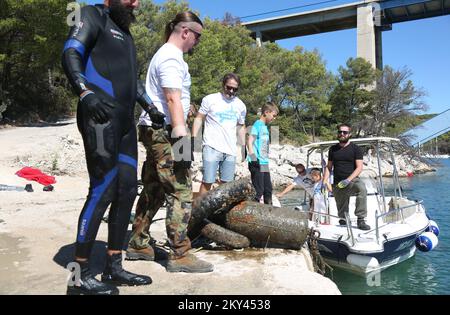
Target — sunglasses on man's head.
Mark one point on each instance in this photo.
(345, 132)
(231, 88)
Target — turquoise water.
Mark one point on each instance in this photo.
(425, 273)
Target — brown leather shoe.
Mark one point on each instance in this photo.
(147, 254)
(188, 263)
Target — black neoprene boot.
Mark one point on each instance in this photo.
(115, 274)
(89, 285)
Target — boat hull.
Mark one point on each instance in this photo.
(394, 251)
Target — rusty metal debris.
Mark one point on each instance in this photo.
(224, 236)
(268, 225)
(218, 200)
(241, 219)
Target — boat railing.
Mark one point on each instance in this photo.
(328, 216)
(400, 209)
(349, 228)
(392, 212)
(377, 217)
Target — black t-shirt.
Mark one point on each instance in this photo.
(344, 160)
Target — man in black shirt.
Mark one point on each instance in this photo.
(346, 161)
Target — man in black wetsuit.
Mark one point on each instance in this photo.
(99, 59)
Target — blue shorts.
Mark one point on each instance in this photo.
(212, 160)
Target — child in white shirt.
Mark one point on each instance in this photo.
(318, 200)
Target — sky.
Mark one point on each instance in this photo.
(423, 46)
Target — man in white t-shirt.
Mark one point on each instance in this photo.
(165, 173)
(224, 115)
(303, 179)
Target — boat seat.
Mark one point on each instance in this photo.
(395, 203)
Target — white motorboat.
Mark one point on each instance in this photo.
(398, 225)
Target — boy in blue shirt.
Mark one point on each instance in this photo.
(258, 153)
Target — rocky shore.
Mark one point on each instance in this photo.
(283, 159)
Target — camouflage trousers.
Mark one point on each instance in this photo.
(164, 181)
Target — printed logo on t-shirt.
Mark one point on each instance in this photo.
(229, 114)
(317, 189)
(265, 146)
(308, 181)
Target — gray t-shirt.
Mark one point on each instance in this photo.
(305, 182)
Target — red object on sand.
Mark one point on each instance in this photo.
(410, 174)
(36, 175)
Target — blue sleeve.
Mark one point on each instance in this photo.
(79, 43)
(255, 129)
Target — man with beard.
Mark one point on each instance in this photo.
(166, 171)
(346, 161)
(99, 60)
(225, 115)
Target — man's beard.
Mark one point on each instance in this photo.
(229, 95)
(343, 140)
(123, 16)
(191, 51)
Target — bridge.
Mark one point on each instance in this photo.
(429, 130)
(370, 17)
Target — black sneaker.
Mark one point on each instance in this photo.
(342, 222)
(362, 225)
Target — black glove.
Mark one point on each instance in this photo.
(156, 116)
(184, 159)
(99, 110)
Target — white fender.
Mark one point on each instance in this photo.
(365, 262)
